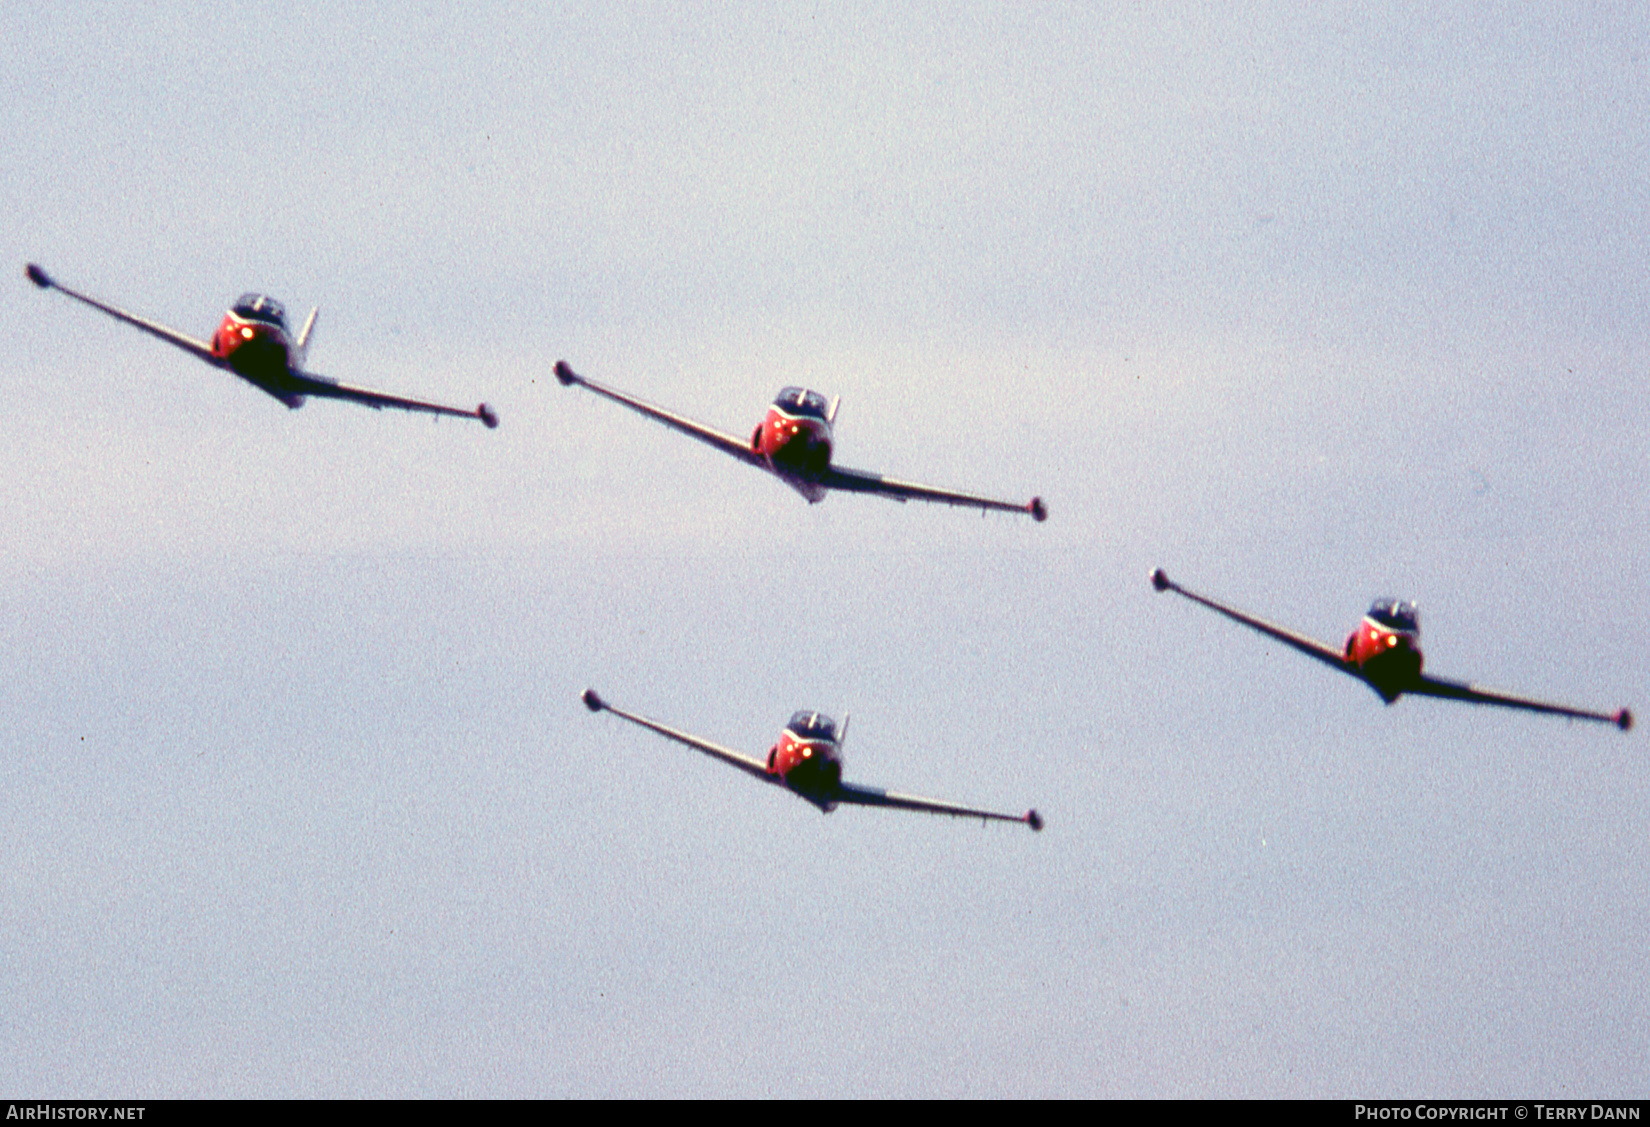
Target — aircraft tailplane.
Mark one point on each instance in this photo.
(304, 335)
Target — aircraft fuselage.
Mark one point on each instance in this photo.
(252, 342)
(809, 765)
(795, 440)
(1387, 657)
(254, 349)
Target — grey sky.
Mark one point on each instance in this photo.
(1304, 304)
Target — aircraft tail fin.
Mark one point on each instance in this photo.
(830, 416)
(305, 332)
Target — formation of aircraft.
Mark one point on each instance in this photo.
(253, 342)
(807, 761)
(793, 442)
(1384, 652)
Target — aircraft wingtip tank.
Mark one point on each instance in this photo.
(488, 416)
(1160, 579)
(1038, 510)
(1034, 820)
(1624, 720)
(591, 701)
(564, 373)
(38, 276)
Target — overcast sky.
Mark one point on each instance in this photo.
(1305, 304)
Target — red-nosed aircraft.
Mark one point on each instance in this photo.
(253, 342)
(794, 443)
(807, 760)
(1384, 653)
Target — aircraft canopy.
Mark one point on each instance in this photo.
(812, 726)
(1396, 614)
(257, 307)
(801, 401)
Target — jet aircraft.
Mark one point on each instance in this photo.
(253, 342)
(807, 760)
(794, 443)
(1384, 653)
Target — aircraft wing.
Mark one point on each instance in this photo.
(859, 481)
(1311, 647)
(198, 348)
(874, 796)
(745, 763)
(1460, 690)
(727, 443)
(322, 388)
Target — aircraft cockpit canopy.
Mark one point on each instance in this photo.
(257, 307)
(812, 726)
(1396, 614)
(801, 401)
